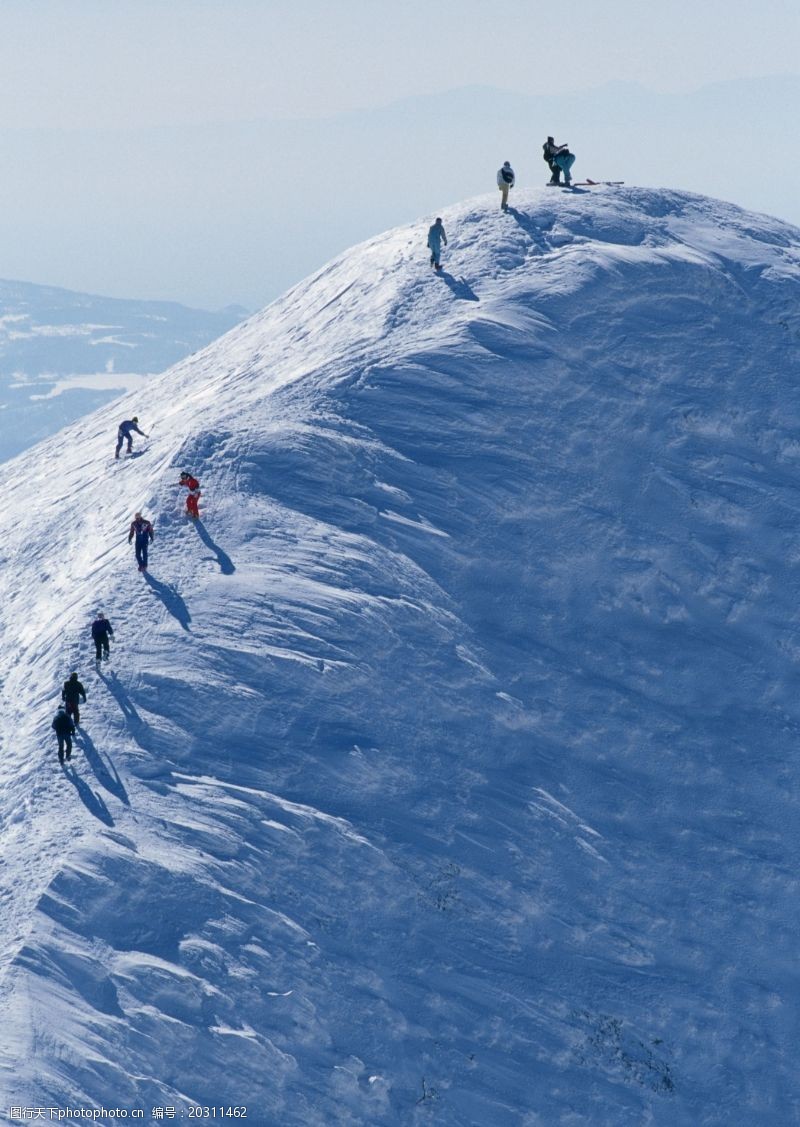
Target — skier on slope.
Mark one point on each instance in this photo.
(64, 729)
(505, 180)
(143, 531)
(436, 237)
(101, 629)
(125, 432)
(71, 694)
(559, 159)
(193, 496)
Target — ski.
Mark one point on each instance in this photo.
(596, 183)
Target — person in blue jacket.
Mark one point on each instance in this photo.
(559, 159)
(126, 432)
(142, 530)
(436, 237)
(101, 629)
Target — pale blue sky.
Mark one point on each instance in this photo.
(146, 152)
(112, 63)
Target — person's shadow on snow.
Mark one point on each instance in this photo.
(138, 727)
(90, 799)
(525, 221)
(171, 600)
(226, 565)
(114, 686)
(531, 227)
(107, 778)
(461, 289)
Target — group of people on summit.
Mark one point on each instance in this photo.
(559, 160)
(67, 717)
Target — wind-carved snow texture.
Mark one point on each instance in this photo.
(446, 770)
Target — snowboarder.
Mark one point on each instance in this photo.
(101, 629)
(436, 237)
(125, 432)
(559, 159)
(64, 729)
(505, 180)
(72, 692)
(143, 531)
(193, 496)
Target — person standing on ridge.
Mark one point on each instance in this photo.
(143, 531)
(193, 496)
(549, 150)
(72, 692)
(436, 237)
(125, 432)
(64, 729)
(505, 180)
(101, 629)
(559, 159)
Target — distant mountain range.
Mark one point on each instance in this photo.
(240, 211)
(62, 354)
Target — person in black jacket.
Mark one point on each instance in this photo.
(72, 692)
(559, 159)
(505, 180)
(101, 629)
(64, 729)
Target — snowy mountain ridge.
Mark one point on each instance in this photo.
(446, 770)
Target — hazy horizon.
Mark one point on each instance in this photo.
(215, 152)
(217, 214)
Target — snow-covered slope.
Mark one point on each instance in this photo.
(63, 354)
(446, 772)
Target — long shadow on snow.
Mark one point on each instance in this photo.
(226, 564)
(90, 799)
(528, 224)
(171, 600)
(139, 729)
(460, 287)
(107, 778)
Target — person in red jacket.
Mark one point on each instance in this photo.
(193, 496)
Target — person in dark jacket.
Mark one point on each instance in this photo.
(72, 692)
(101, 631)
(64, 729)
(559, 159)
(505, 180)
(126, 432)
(142, 530)
(549, 150)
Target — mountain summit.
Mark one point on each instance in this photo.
(445, 770)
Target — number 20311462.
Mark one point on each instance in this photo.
(197, 1112)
